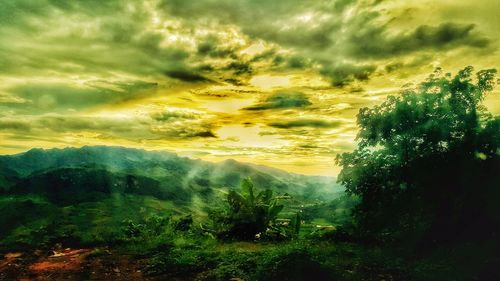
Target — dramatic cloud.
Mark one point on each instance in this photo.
(212, 47)
(186, 76)
(247, 79)
(282, 100)
(374, 42)
(131, 128)
(170, 116)
(306, 123)
(337, 35)
(85, 37)
(15, 125)
(342, 74)
(41, 97)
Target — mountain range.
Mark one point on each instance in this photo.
(70, 174)
(89, 192)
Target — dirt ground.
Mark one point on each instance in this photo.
(70, 264)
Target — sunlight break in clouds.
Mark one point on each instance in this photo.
(263, 82)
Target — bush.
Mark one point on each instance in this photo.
(250, 215)
(183, 223)
(293, 264)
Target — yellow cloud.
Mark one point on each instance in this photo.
(138, 76)
(267, 82)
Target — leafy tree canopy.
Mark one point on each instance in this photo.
(427, 160)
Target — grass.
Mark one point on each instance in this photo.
(32, 221)
(149, 229)
(297, 260)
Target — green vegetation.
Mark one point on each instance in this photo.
(248, 216)
(421, 201)
(426, 171)
(427, 161)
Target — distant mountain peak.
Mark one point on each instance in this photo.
(179, 175)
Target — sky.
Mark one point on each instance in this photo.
(276, 83)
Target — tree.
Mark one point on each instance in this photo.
(427, 161)
(248, 214)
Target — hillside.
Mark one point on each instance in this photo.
(85, 194)
(166, 171)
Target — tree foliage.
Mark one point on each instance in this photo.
(248, 214)
(427, 161)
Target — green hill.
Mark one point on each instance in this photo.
(85, 194)
(95, 167)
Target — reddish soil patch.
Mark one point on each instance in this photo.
(71, 264)
(68, 259)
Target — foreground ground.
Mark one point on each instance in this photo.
(70, 264)
(299, 260)
(229, 262)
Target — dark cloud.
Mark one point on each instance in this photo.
(266, 55)
(235, 82)
(278, 59)
(119, 39)
(342, 4)
(374, 42)
(298, 62)
(418, 61)
(125, 91)
(170, 116)
(213, 48)
(346, 49)
(394, 66)
(343, 74)
(14, 125)
(205, 134)
(114, 37)
(132, 129)
(282, 100)
(20, 12)
(183, 131)
(279, 22)
(263, 19)
(300, 36)
(205, 68)
(61, 97)
(65, 124)
(186, 76)
(181, 125)
(52, 126)
(239, 67)
(306, 123)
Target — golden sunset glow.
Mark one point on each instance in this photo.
(277, 83)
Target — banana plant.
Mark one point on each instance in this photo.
(250, 213)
